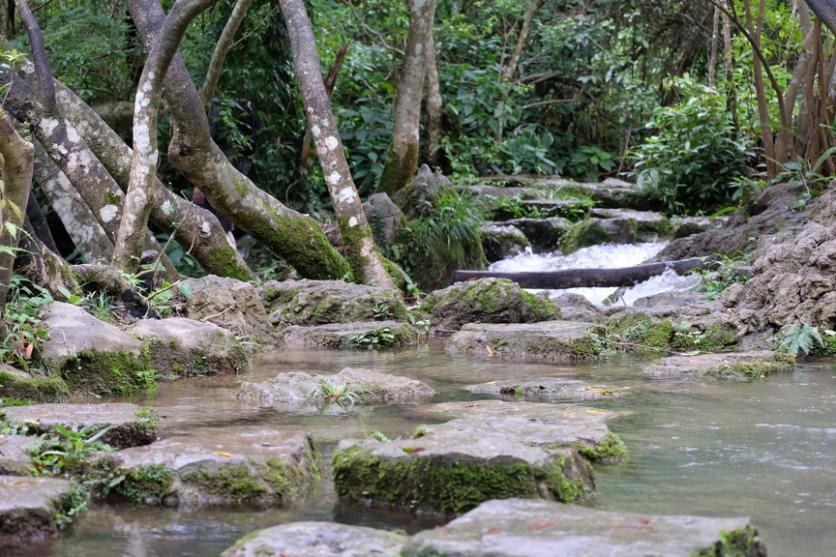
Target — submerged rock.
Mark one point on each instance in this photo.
(532, 528)
(302, 389)
(255, 466)
(319, 302)
(32, 509)
(128, 425)
(347, 336)
(550, 388)
(14, 454)
(231, 304)
(485, 301)
(318, 539)
(31, 385)
(554, 341)
(502, 240)
(180, 347)
(732, 365)
(91, 355)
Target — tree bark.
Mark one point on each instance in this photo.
(38, 222)
(137, 209)
(763, 108)
(825, 10)
(43, 267)
(216, 64)
(402, 156)
(360, 249)
(18, 161)
(295, 237)
(511, 68)
(434, 104)
(576, 278)
(715, 43)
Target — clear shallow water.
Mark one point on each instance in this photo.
(603, 256)
(765, 449)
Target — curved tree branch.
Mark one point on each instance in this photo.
(216, 64)
(825, 10)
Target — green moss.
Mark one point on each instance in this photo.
(71, 504)
(33, 386)
(738, 543)
(147, 485)
(225, 262)
(113, 199)
(234, 483)
(398, 171)
(609, 451)
(565, 489)
(745, 370)
(109, 373)
(582, 234)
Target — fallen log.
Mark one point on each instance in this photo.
(574, 278)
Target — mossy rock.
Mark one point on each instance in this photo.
(740, 366)
(373, 335)
(34, 509)
(37, 387)
(503, 240)
(553, 341)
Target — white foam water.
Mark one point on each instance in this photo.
(603, 256)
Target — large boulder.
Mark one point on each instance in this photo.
(33, 509)
(300, 389)
(421, 191)
(180, 347)
(616, 226)
(319, 302)
(543, 233)
(247, 466)
(536, 528)
(91, 355)
(384, 217)
(372, 335)
(230, 304)
(553, 341)
(318, 539)
(574, 307)
(31, 385)
(502, 240)
(485, 301)
(732, 365)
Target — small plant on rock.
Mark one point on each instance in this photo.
(65, 451)
(382, 312)
(330, 392)
(800, 339)
(372, 340)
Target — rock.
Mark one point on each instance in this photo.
(129, 424)
(501, 241)
(574, 307)
(569, 207)
(300, 389)
(536, 528)
(346, 336)
(181, 347)
(615, 226)
(14, 454)
(32, 509)
(483, 191)
(543, 233)
(253, 466)
(230, 304)
(384, 217)
(485, 301)
(91, 355)
(318, 539)
(453, 467)
(688, 226)
(548, 388)
(609, 193)
(421, 191)
(319, 302)
(554, 341)
(19, 384)
(732, 365)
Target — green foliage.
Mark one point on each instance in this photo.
(373, 340)
(64, 452)
(695, 154)
(728, 271)
(800, 339)
(329, 392)
(24, 333)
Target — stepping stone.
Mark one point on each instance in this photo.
(130, 425)
(733, 365)
(549, 388)
(543, 233)
(552, 341)
(536, 528)
(543, 424)
(33, 386)
(256, 467)
(346, 336)
(14, 454)
(319, 302)
(32, 509)
(450, 468)
(181, 347)
(502, 240)
(231, 304)
(300, 389)
(318, 539)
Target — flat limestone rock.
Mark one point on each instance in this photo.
(302, 389)
(129, 424)
(553, 341)
(732, 365)
(232, 304)
(549, 388)
(348, 336)
(32, 509)
(14, 455)
(181, 347)
(318, 539)
(248, 466)
(536, 528)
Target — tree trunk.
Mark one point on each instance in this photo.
(763, 108)
(38, 222)
(137, 209)
(434, 104)
(402, 156)
(18, 161)
(825, 10)
(213, 74)
(511, 68)
(715, 42)
(362, 253)
(295, 237)
(44, 268)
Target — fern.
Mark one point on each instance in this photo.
(800, 339)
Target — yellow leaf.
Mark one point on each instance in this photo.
(223, 453)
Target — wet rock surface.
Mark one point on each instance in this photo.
(129, 425)
(319, 302)
(256, 467)
(230, 304)
(352, 336)
(502, 240)
(550, 388)
(485, 301)
(536, 528)
(732, 365)
(32, 509)
(180, 347)
(543, 233)
(555, 341)
(35, 386)
(318, 539)
(14, 454)
(299, 389)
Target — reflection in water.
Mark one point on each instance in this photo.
(764, 449)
